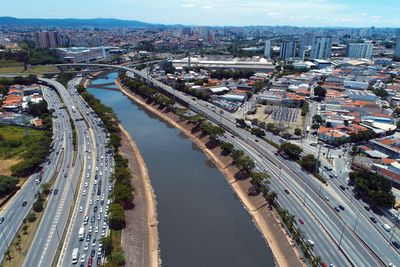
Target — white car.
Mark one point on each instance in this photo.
(103, 232)
(86, 247)
(84, 192)
(101, 209)
(89, 167)
(96, 229)
(99, 250)
(98, 217)
(110, 188)
(97, 198)
(104, 225)
(90, 201)
(90, 229)
(95, 182)
(86, 184)
(83, 258)
(97, 168)
(80, 209)
(101, 174)
(101, 164)
(87, 175)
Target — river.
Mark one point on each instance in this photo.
(201, 222)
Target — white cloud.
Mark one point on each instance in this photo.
(188, 5)
(206, 7)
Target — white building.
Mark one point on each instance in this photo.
(360, 50)
(288, 50)
(267, 49)
(397, 50)
(322, 47)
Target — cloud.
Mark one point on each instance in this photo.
(188, 5)
(206, 7)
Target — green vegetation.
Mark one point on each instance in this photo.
(320, 92)
(297, 131)
(305, 109)
(8, 185)
(373, 187)
(29, 144)
(64, 78)
(292, 151)
(309, 163)
(226, 147)
(257, 132)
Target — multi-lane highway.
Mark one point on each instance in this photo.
(13, 213)
(90, 211)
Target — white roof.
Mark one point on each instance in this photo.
(219, 89)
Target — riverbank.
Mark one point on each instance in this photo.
(266, 220)
(140, 236)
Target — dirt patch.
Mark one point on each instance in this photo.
(5, 165)
(265, 219)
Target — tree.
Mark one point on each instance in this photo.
(117, 217)
(38, 206)
(31, 217)
(236, 155)
(246, 163)
(320, 92)
(45, 188)
(7, 185)
(292, 151)
(258, 178)
(315, 126)
(317, 119)
(227, 147)
(122, 194)
(117, 258)
(80, 89)
(309, 163)
(258, 132)
(297, 131)
(271, 197)
(107, 245)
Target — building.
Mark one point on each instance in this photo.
(48, 39)
(360, 50)
(322, 47)
(82, 54)
(306, 41)
(2, 38)
(267, 49)
(397, 50)
(288, 50)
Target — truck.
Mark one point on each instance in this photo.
(81, 233)
(73, 108)
(75, 255)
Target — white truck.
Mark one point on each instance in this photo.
(75, 255)
(81, 233)
(73, 108)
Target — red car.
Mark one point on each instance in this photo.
(301, 221)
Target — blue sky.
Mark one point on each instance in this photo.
(217, 12)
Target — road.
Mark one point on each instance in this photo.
(13, 213)
(49, 234)
(93, 193)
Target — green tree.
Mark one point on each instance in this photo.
(38, 206)
(292, 151)
(257, 132)
(259, 178)
(227, 147)
(31, 217)
(297, 131)
(116, 217)
(107, 245)
(320, 92)
(317, 119)
(122, 194)
(309, 163)
(117, 258)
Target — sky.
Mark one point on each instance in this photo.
(350, 13)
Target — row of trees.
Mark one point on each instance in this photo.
(8, 185)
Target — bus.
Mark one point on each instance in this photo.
(75, 256)
(81, 233)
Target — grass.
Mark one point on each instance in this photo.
(116, 238)
(16, 142)
(42, 69)
(18, 253)
(12, 66)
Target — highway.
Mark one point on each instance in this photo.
(93, 193)
(49, 234)
(356, 246)
(13, 213)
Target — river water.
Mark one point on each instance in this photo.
(201, 222)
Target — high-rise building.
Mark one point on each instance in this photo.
(2, 38)
(397, 50)
(267, 49)
(360, 50)
(306, 41)
(322, 47)
(288, 49)
(48, 39)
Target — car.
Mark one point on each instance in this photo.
(86, 246)
(342, 187)
(88, 237)
(309, 241)
(94, 242)
(95, 182)
(341, 207)
(101, 174)
(90, 229)
(98, 197)
(373, 219)
(109, 188)
(98, 262)
(103, 232)
(286, 191)
(367, 208)
(55, 191)
(337, 209)
(101, 209)
(84, 192)
(92, 219)
(396, 244)
(386, 227)
(83, 258)
(1, 220)
(86, 184)
(90, 201)
(99, 250)
(326, 198)
(65, 175)
(93, 253)
(95, 209)
(301, 221)
(85, 221)
(98, 217)
(24, 203)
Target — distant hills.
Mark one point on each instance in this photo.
(98, 22)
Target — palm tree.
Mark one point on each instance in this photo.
(317, 261)
(271, 197)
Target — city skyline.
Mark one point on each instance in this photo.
(318, 13)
